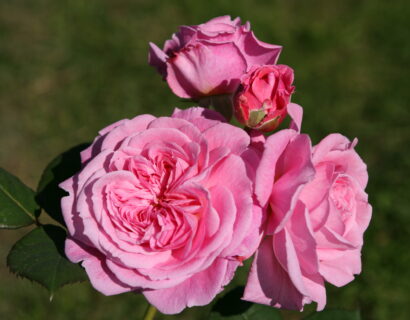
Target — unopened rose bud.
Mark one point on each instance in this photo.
(262, 98)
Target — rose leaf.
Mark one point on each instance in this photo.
(39, 256)
(61, 168)
(18, 207)
(231, 307)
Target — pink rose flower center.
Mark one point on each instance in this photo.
(148, 210)
(343, 196)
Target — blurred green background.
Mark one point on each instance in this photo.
(69, 68)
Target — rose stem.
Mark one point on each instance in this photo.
(150, 313)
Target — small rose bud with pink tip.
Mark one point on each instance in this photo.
(262, 98)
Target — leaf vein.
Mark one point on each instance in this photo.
(16, 202)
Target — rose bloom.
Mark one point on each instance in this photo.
(338, 208)
(209, 59)
(164, 206)
(317, 214)
(262, 98)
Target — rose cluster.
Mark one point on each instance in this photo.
(170, 207)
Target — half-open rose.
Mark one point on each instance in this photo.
(209, 59)
(164, 206)
(317, 214)
(338, 208)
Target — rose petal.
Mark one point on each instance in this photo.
(265, 173)
(157, 58)
(339, 268)
(197, 72)
(295, 112)
(279, 291)
(194, 113)
(100, 276)
(258, 52)
(224, 134)
(198, 290)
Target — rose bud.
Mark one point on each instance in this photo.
(263, 96)
(209, 59)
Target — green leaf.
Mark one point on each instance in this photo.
(61, 168)
(256, 116)
(231, 307)
(335, 314)
(18, 207)
(39, 256)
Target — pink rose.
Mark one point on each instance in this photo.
(164, 206)
(285, 272)
(209, 59)
(317, 213)
(263, 96)
(338, 208)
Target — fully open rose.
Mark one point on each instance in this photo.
(317, 214)
(164, 206)
(209, 59)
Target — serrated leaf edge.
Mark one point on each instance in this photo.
(19, 275)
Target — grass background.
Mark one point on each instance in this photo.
(69, 68)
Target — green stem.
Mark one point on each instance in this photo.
(150, 313)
